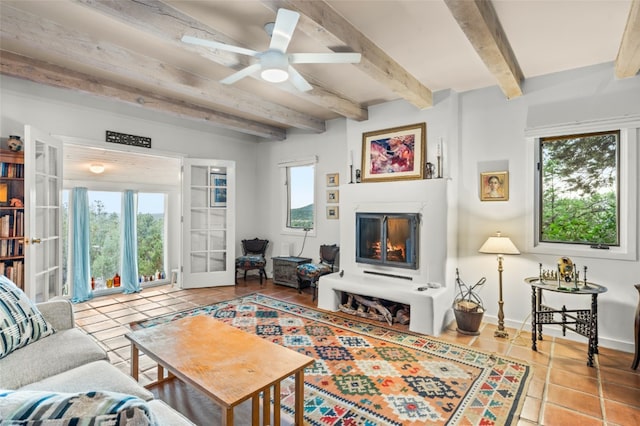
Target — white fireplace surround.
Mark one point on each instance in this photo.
(429, 305)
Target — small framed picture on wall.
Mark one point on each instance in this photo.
(333, 195)
(332, 212)
(494, 186)
(333, 179)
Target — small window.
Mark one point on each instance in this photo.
(300, 197)
(579, 189)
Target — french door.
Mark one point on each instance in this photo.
(208, 252)
(43, 216)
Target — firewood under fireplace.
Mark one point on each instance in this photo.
(375, 308)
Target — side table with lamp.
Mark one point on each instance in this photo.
(499, 245)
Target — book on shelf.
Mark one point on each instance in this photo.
(11, 170)
(15, 272)
(12, 225)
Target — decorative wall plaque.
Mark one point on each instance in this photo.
(132, 140)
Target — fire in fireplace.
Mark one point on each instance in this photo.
(388, 239)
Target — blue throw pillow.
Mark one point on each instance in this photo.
(21, 322)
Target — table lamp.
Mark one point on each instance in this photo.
(499, 245)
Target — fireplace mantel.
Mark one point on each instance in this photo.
(428, 198)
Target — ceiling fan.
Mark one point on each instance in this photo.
(274, 64)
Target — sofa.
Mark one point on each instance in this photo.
(66, 366)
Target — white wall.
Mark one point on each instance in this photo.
(330, 149)
(75, 115)
(492, 135)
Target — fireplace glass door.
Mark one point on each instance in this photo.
(388, 239)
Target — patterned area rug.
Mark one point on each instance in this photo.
(367, 374)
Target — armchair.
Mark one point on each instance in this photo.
(311, 272)
(253, 257)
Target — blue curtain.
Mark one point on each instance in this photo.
(129, 250)
(80, 246)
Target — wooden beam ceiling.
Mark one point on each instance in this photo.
(169, 24)
(81, 48)
(628, 60)
(53, 75)
(322, 23)
(479, 21)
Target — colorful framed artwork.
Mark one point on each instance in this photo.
(218, 179)
(394, 154)
(333, 212)
(333, 179)
(218, 182)
(494, 186)
(333, 195)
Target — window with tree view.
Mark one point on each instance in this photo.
(300, 196)
(105, 221)
(579, 196)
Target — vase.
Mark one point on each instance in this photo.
(14, 143)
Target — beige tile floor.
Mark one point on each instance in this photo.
(563, 391)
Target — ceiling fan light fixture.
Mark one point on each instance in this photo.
(274, 66)
(274, 75)
(96, 168)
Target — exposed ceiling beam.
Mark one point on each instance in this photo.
(322, 23)
(628, 60)
(56, 76)
(479, 21)
(164, 21)
(41, 34)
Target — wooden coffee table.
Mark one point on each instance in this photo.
(227, 364)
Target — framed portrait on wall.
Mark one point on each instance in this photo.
(333, 195)
(494, 186)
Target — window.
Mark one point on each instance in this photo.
(582, 189)
(299, 207)
(104, 233)
(105, 210)
(150, 226)
(578, 195)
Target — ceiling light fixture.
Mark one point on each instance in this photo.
(274, 66)
(96, 168)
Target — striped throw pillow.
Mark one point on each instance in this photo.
(40, 408)
(20, 321)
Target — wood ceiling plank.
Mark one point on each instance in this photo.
(628, 59)
(162, 20)
(53, 75)
(479, 22)
(322, 23)
(50, 37)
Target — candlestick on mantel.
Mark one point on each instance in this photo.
(351, 166)
(440, 159)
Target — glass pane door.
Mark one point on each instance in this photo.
(209, 231)
(43, 184)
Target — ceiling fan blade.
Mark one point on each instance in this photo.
(286, 21)
(245, 72)
(217, 45)
(324, 58)
(298, 80)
